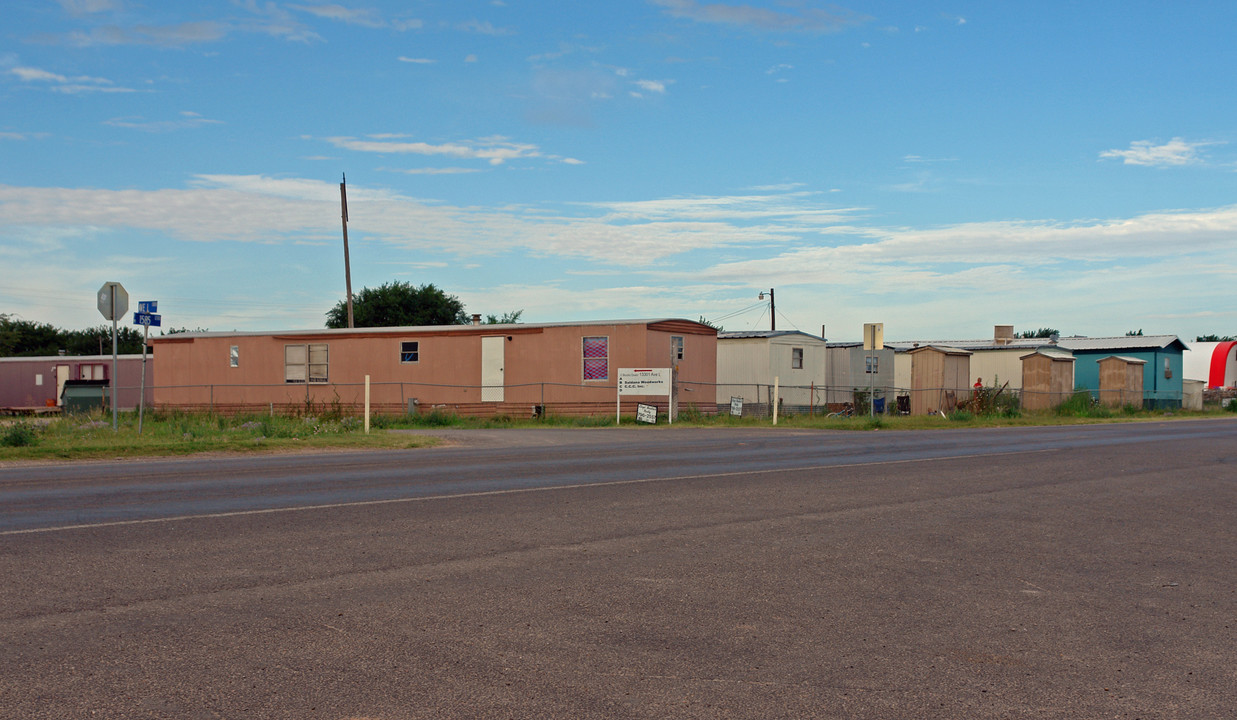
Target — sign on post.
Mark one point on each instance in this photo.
(645, 382)
(146, 317)
(646, 413)
(113, 301)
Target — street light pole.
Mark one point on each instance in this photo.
(772, 310)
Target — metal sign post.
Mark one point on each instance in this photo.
(145, 316)
(113, 302)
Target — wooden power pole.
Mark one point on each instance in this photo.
(343, 201)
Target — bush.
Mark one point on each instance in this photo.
(19, 435)
(435, 418)
(960, 416)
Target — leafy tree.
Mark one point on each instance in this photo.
(1215, 338)
(506, 319)
(396, 304)
(1134, 333)
(26, 338)
(713, 325)
(1041, 333)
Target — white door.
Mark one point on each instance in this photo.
(62, 374)
(492, 349)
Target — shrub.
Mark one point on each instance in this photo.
(435, 418)
(19, 435)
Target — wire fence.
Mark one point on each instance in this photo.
(591, 399)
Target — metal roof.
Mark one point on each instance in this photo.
(988, 344)
(411, 329)
(745, 334)
(1125, 342)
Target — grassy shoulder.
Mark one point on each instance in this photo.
(175, 433)
(88, 437)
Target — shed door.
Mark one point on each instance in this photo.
(492, 376)
(62, 374)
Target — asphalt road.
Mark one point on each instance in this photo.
(1082, 572)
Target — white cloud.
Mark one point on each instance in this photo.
(88, 7)
(800, 17)
(495, 150)
(417, 61)
(654, 86)
(483, 28)
(187, 120)
(339, 13)
(188, 33)
(1175, 152)
(826, 265)
(65, 84)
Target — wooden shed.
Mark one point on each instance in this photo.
(1047, 379)
(940, 379)
(1121, 380)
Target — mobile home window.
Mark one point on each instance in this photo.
(234, 356)
(305, 363)
(676, 346)
(410, 351)
(596, 358)
(796, 358)
(91, 372)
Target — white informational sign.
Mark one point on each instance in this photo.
(645, 382)
(736, 406)
(646, 413)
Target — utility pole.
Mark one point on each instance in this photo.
(343, 202)
(772, 310)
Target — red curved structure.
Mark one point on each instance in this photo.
(1219, 362)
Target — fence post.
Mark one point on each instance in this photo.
(212, 400)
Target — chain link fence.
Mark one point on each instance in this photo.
(593, 399)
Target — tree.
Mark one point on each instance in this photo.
(1215, 338)
(506, 319)
(26, 338)
(705, 321)
(1134, 333)
(396, 304)
(1041, 333)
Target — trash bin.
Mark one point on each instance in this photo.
(83, 396)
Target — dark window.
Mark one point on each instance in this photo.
(410, 351)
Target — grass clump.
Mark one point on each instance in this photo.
(19, 435)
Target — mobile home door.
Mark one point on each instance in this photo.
(492, 376)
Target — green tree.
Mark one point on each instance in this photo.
(26, 338)
(1215, 338)
(506, 319)
(1041, 333)
(1134, 333)
(397, 304)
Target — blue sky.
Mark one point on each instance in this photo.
(941, 167)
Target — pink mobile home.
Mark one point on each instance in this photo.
(37, 382)
(568, 368)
